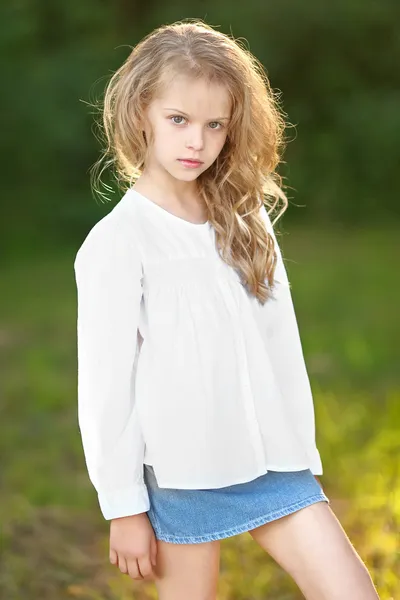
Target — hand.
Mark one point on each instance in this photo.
(133, 546)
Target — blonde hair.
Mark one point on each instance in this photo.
(243, 176)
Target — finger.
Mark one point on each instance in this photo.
(113, 557)
(123, 567)
(145, 567)
(133, 569)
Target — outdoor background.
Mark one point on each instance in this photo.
(337, 66)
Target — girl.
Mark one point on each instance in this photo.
(195, 407)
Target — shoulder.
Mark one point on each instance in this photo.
(113, 236)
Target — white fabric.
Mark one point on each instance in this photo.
(179, 366)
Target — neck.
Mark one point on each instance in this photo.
(172, 189)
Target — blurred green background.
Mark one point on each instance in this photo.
(337, 67)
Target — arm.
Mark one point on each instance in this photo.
(282, 338)
(108, 271)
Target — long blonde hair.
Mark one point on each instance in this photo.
(243, 176)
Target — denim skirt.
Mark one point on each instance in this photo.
(193, 516)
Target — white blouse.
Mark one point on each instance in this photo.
(179, 367)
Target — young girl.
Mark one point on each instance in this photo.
(195, 407)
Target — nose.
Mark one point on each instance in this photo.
(195, 139)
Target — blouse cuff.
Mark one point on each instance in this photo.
(124, 503)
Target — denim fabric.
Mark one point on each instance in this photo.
(193, 516)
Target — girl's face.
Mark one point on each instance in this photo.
(189, 121)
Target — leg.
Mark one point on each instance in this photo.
(312, 547)
(187, 570)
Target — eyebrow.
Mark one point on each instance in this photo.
(186, 115)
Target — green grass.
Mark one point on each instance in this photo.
(55, 542)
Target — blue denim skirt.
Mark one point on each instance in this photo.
(193, 516)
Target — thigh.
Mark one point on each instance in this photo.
(187, 570)
(312, 547)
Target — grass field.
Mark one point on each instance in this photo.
(346, 291)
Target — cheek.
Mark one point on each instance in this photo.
(218, 143)
(162, 133)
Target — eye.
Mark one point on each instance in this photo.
(177, 117)
(216, 123)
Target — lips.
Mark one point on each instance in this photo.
(191, 160)
(189, 163)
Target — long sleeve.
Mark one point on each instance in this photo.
(284, 346)
(108, 278)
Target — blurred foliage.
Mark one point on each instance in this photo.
(335, 63)
(55, 541)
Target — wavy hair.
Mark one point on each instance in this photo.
(243, 178)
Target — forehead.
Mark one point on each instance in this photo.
(196, 97)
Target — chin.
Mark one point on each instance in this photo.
(186, 176)
(189, 177)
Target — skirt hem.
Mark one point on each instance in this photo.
(252, 524)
